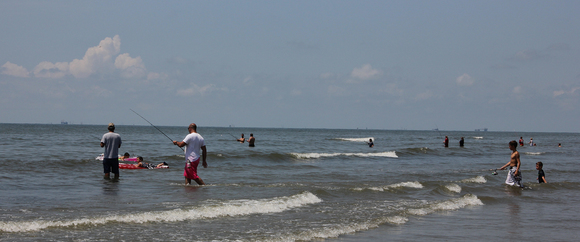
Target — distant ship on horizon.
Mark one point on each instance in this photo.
(484, 129)
(63, 122)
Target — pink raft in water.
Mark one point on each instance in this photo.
(101, 156)
(133, 166)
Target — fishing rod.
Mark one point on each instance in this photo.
(233, 136)
(155, 127)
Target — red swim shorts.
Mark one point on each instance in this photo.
(191, 171)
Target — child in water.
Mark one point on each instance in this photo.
(541, 175)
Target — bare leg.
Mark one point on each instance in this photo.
(199, 181)
(187, 181)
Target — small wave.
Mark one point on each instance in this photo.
(228, 208)
(478, 137)
(534, 153)
(453, 204)
(333, 231)
(414, 184)
(453, 188)
(477, 179)
(390, 154)
(356, 139)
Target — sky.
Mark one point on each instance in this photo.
(413, 65)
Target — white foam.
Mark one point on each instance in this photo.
(477, 179)
(478, 137)
(453, 204)
(220, 209)
(356, 139)
(534, 153)
(333, 231)
(453, 188)
(390, 154)
(414, 184)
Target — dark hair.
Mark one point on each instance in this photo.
(513, 143)
(126, 154)
(540, 164)
(140, 158)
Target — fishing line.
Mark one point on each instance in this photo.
(155, 127)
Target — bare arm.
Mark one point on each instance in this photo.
(179, 143)
(518, 163)
(506, 165)
(204, 154)
(102, 144)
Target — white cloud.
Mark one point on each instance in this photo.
(14, 70)
(365, 72)
(49, 70)
(562, 92)
(195, 90)
(465, 80)
(97, 58)
(130, 67)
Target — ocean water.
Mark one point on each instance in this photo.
(295, 185)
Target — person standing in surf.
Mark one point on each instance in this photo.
(241, 140)
(251, 140)
(193, 143)
(514, 176)
(521, 141)
(370, 143)
(112, 142)
(446, 142)
(461, 142)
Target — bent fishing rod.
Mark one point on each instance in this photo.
(155, 127)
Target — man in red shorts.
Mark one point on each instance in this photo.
(193, 143)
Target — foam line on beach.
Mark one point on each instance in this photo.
(333, 231)
(389, 154)
(413, 184)
(356, 139)
(452, 204)
(534, 153)
(220, 209)
(477, 179)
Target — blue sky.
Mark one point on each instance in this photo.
(456, 65)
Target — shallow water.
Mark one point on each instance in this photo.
(296, 184)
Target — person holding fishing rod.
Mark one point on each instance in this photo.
(241, 140)
(514, 176)
(193, 143)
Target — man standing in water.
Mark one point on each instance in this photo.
(112, 142)
(461, 142)
(193, 143)
(251, 140)
(514, 176)
(446, 142)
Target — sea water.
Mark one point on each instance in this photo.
(295, 185)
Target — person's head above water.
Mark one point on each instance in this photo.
(111, 127)
(192, 126)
